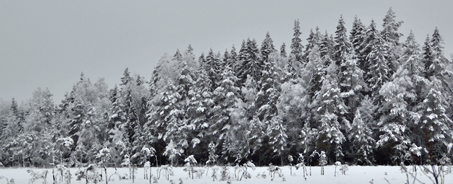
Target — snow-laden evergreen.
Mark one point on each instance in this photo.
(362, 97)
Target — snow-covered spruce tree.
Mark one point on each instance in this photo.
(390, 29)
(267, 47)
(308, 136)
(225, 97)
(328, 108)
(232, 60)
(267, 96)
(427, 54)
(87, 118)
(213, 66)
(178, 126)
(439, 72)
(114, 127)
(277, 137)
(246, 128)
(295, 61)
(212, 158)
(283, 51)
(366, 46)
(435, 127)
(198, 115)
(172, 151)
(398, 112)
(360, 135)
(250, 61)
(326, 50)
(312, 41)
(349, 75)
(190, 163)
(357, 36)
(315, 72)
(342, 48)
(165, 113)
(379, 69)
(391, 37)
(352, 85)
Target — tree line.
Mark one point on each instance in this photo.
(363, 97)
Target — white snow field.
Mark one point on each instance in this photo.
(355, 174)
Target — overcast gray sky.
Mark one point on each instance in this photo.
(49, 43)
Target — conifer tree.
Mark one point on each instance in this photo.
(313, 40)
(283, 50)
(366, 47)
(357, 36)
(225, 96)
(267, 97)
(435, 126)
(328, 107)
(379, 69)
(233, 59)
(251, 64)
(360, 135)
(343, 47)
(427, 57)
(295, 61)
(352, 85)
(316, 71)
(177, 56)
(267, 47)
(326, 50)
(390, 32)
(277, 135)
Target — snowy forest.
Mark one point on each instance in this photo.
(367, 96)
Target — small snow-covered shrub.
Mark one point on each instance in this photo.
(212, 158)
(343, 169)
(115, 174)
(214, 173)
(301, 163)
(190, 162)
(290, 159)
(224, 174)
(67, 177)
(7, 181)
(37, 176)
(274, 170)
(322, 161)
(166, 170)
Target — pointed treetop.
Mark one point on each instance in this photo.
(126, 77)
(390, 25)
(190, 49)
(82, 76)
(436, 43)
(177, 56)
(296, 42)
(283, 50)
(267, 47)
(412, 47)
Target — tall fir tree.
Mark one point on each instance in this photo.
(283, 50)
(295, 61)
(435, 127)
(362, 140)
(267, 47)
(329, 108)
(343, 47)
(390, 32)
(357, 36)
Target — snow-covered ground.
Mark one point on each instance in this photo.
(355, 174)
